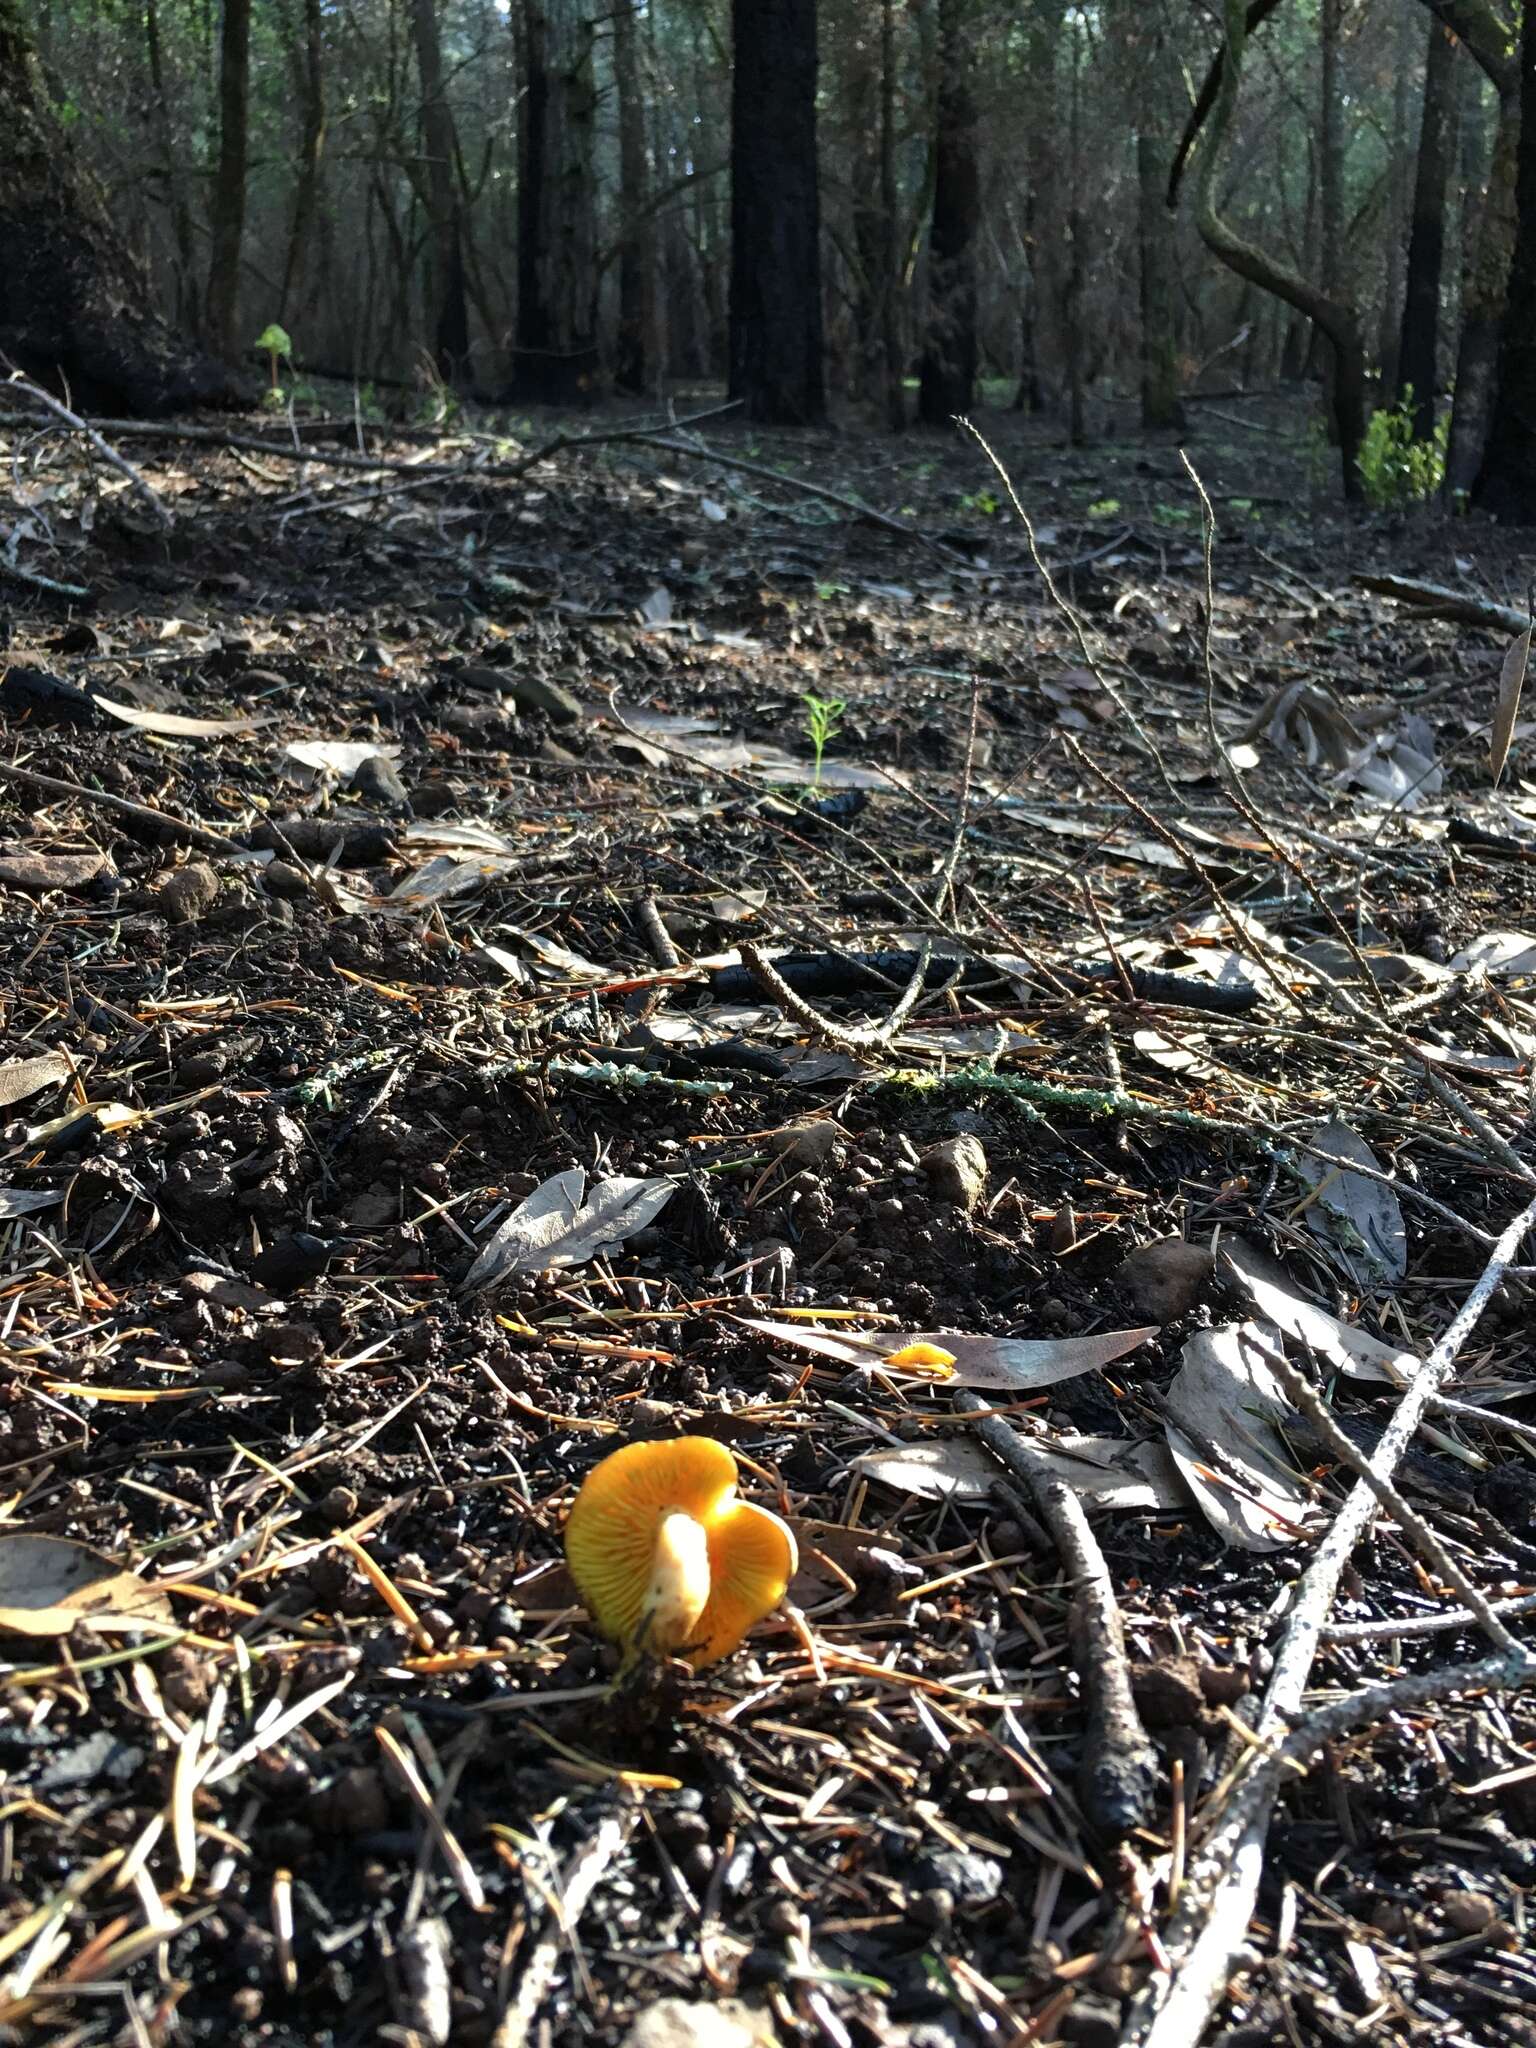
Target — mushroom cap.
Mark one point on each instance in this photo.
(613, 1539)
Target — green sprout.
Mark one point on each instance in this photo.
(823, 716)
(279, 348)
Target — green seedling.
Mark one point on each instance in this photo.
(823, 716)
(279, 348)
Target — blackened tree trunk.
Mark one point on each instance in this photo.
(1160, 406)
(1484, 289)
(891, 360)
(447, 306)
(74, 311)
(170, 170)
(948, 378)
(557, 359)
(639, 254)
(309, 65)
(1417, 354)
(1506, 484)
(228, 219)
(1396, 207)
(776, 367)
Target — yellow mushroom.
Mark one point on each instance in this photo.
(667, 1559)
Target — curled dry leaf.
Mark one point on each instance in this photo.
(1000, 1362)
(1360, 1219)
(1223, 1410)
(48, 1583)
(1339, 1346)
(339, 759)
(560, 1225)
(1506, 709)
(21, 1078)
(179, 724)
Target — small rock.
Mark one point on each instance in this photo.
(282, 878)
(958, 1169)
(376, 780)
(807, 1144)
(647, 1414)
(293, 1344)
(355, 1803)
(201, 1069)
(1168, 1691)
(1091, 2023)
(375, 1209)
(295, 1260)
(185, 895)
(538, 693)
(432, 799)
(1469, 1912)
(1163, 1281)
(970, 1879)
(680, 2023)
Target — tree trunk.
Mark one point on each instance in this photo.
(1484, 289)
(1389, 330)
(306, 197)
(1160, 406)
(74, 311)
(1506, 484)
(639, 260)
(891, 353)
(775, 306)
(175, 190)
(557, 360)
(447, 306)
(1417, 355)
(948, 378)
(228, 217)
(1335, 317)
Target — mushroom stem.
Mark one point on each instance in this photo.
(679, 1585)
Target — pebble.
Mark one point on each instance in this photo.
(682, 2023)
(958, 1169)
(806, 1144)
(1163, 1281)
(185, 895)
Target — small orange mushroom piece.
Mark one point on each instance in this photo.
(667, 1559)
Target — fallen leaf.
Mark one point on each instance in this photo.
(1507, 953)
(1223, 1408)
(1104, 1471)
(48, 1583)
(24, 1201)
(21, 1078)
(178, 725)
(1001, 1362)
(554, 955)
(338, 758)
(1338, 1345)
(560, 1225)
(1506, 709)
(1360, 1219)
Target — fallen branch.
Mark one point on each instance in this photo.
(185, 828)
(586, 1873)
(103, 447)
(1120, 1772)
(1441, 602)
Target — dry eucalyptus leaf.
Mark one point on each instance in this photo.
(554, 955)
(24, 1201)
(48, 1583)
(1504, 953)
(999, 1362)
(1360, 1219)
(1339, 1346)
(21, 1078)
(1104, 1471)
(1223, 1409)
(560, 1225)
(1505, 711)
(179, 725)
(338, 758)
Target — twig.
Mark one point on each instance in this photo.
(851, 1037)
(585, 1875)
(102, 446)
(200, 835)
(1212, 1921)
(1120, 1773)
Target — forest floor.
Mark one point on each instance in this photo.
(440, 894)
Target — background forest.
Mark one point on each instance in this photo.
(541, 200)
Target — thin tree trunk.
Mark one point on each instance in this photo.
(1336, 318)
(1160, 406)
(447, 305)
(1418, 352)
(948, 378)
(1389, 332)
(891, 354)
(306, 196)
(557, 359)
(638, 256)
(1484, 289)
(175, 191)
(228, 216)
(775, 346)
(1506, 484)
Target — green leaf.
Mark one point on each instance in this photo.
(274, 340)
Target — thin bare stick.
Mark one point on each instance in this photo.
(183, 828)
(1120, 1772)
(585, 1874)
(1212, 1919)
(102, 446)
